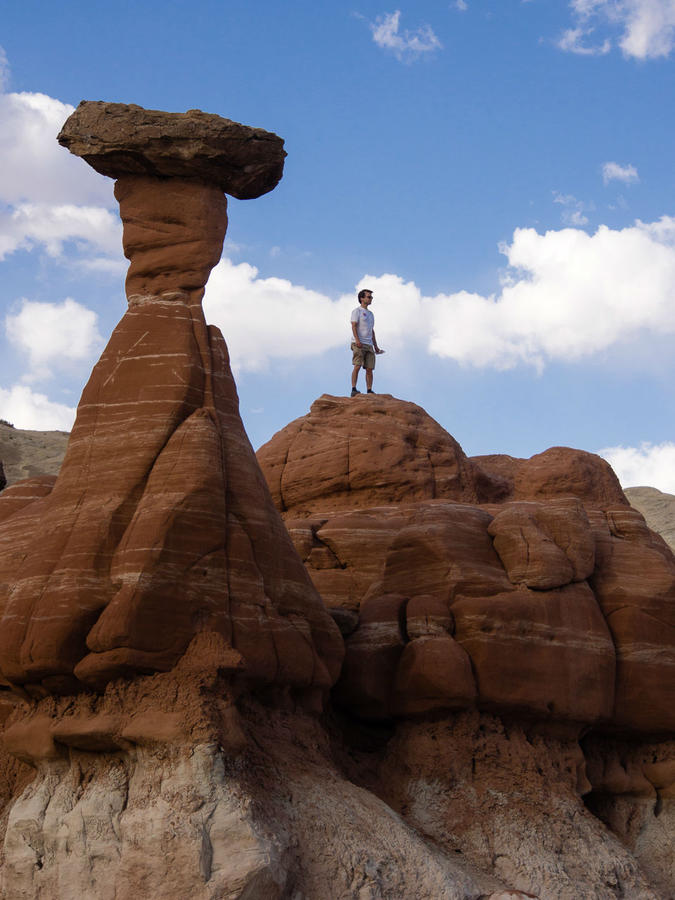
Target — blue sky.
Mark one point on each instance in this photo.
(500, 173)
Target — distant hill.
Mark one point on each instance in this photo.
(24, 454)
(657, 508)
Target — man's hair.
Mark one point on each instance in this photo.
(363, 292)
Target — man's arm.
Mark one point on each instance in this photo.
(376, 348)
(355, 333)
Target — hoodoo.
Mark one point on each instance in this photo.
(159, 525)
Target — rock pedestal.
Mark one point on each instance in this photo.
(160, 525)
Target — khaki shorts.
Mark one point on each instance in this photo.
(363, 356)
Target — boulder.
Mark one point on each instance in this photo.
(120, 139)
(434, 673)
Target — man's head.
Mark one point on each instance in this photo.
(365, 297)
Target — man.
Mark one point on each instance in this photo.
(364, 345)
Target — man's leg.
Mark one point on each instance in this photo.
(369, 379)
(355, 375)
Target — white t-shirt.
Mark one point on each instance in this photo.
(365, 323)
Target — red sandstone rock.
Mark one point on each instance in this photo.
(543, 653)
(24, 492)
(159, 525)
(348, 453)
(372, 656)
(434, 673)
(167, 252)
(544, 545)
(634, 582)
(557, 472)
(508, 580)
(428, 616)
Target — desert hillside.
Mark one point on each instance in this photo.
(25, 454)
(658, 509)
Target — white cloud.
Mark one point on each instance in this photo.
(4, 69)
(646, 28)
(461, 5)
(53, 335)
(649, 30)
(612, 171)
(26, 409)
(572, 41)
(48, 196)
(35, 169)
(567, 295)
(271, 318)
(405, 45)
(91, 228)
(651, 465)
(573, 213)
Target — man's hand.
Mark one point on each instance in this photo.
(378, 350)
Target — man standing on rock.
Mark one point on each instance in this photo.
(364, 345)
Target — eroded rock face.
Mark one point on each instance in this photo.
(557, 472)
(347, 456)
(167, 786)
(548, 599)
(509, 802)
(159, 525)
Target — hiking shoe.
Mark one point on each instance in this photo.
(355, 392)
(370, 391)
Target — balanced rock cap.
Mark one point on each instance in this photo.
(120, 139)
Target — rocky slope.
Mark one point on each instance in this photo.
(658, 508)
(26, 454)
